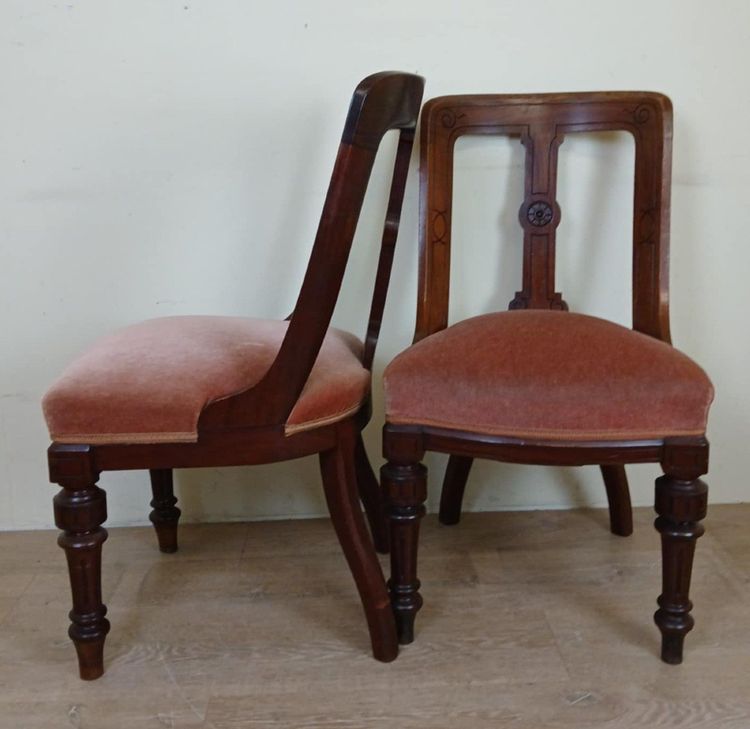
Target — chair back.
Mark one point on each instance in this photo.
(381, 102)
(541, 121)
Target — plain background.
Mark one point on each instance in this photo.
(162, 157)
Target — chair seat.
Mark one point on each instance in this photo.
(149, 382)
(548, 375)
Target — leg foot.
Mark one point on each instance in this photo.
(681, 500)
(454, 485)
(165, 514)
(671, 648)
(405, 608)
(340, 485)
(618, 496)
(372, 499)
(90, 659)
(80, 510)
(406, 489)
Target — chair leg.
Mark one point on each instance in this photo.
(340, 484)
(372, 498)
(618, 496)
(80, 510)
(681, 501)
(165, 514)
(454, 485)
(406, 490)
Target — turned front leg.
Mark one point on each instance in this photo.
(80, 510)
(681, 500)
(406, 490)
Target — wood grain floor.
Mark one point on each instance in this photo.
(258, 625)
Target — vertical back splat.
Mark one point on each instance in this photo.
(539, 216)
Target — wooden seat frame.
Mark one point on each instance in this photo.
(248, 428)
(541, 121)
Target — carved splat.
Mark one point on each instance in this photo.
(539, 216)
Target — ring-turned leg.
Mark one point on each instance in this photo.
(681, 501)
(80, 510)
(454, 485)
(165, 514)
(405, 487)
(340, 485)
(618, 496)
(371, 496)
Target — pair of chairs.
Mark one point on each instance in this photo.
(532, 385)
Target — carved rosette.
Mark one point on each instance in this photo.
(536, 215)
(539, 213)
(641, 114)
(448, 118)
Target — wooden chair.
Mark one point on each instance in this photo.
(186, 392)
(537, 384)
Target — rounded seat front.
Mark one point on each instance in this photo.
(149, 382)
(548, 375)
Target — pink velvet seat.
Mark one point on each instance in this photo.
(149, 382)
(551, 375)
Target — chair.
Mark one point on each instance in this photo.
(184, 392)
(538, 384)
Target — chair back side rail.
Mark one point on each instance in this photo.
(388, 244)
(271, 400)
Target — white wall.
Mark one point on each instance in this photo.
(165, 157)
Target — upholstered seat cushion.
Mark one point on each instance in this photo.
(148, 383)
(548, 375)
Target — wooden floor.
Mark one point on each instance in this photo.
(531, 620)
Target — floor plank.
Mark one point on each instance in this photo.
(532, 620)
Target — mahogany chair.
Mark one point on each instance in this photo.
(538, 384)
(184, 392)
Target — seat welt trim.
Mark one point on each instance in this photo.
(124, 438)
(549, 434)
(291, 429)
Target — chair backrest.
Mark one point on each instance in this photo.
(541, 121)
(381, 102)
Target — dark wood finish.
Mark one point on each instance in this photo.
(541, 122)
(340, 481)
(413, 441)
(681, 502)
(406, 489)
(454, 485)
(165, 514)
(615, 481)
(80, 510)
(371, 497)
(618, 496)
(248, 427)
(388, 244)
